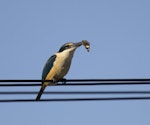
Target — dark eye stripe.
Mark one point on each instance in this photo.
(65, 46)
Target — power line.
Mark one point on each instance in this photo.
(75, 92)
(77, 99)
(76, 82)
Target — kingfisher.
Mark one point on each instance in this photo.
(58, 65)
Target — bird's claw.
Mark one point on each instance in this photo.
(64, 81)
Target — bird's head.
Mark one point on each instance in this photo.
(71, 47)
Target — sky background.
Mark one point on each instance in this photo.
(119, 33)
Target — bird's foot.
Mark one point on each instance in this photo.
(64, 81)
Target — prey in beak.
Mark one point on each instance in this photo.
(85, 43)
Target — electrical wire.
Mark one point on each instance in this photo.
(74, 92)
(78, 82)
(77, 99)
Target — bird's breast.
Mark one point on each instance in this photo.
(62, 65)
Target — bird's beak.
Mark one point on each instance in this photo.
(78, 44)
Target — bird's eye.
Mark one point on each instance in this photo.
(67, 46)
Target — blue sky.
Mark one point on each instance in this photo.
(31, 31)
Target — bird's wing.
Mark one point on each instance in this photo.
(48, 66)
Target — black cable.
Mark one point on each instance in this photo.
(76, 92)
(81, 80)
(77, 82)
(77, 99)
(19, 85)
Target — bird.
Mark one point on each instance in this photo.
(58, 65)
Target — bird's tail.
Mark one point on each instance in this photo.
(40, 92)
